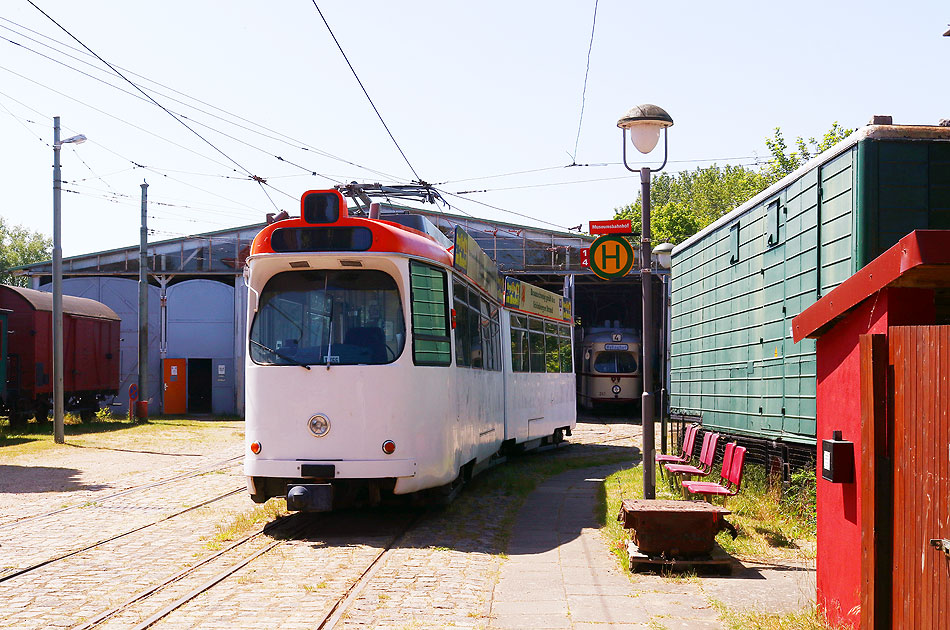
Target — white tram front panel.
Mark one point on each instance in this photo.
(610, 370)
(416, 407)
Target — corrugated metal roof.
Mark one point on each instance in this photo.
(43, 301)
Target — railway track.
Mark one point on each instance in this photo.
(23, 571)
(298, 527)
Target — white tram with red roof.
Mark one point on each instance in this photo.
(383, 359)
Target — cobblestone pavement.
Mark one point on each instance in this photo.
(442, 573)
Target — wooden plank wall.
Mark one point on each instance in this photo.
(920, 356)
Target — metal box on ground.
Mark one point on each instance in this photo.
(673, 528)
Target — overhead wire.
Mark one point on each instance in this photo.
(576, 181)
(488, 205)
(178, 114)
(278, 136)
(362, 87)
(584, 92)
(263, 181)
(159, 105)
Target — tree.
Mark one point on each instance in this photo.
(686, 202)
(782, 163)
(20, 246)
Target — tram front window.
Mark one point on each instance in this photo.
(615, 363)
(336, 317)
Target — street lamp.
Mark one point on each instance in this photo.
(58, 430)
(644, 123)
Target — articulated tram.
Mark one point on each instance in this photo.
(386, 359)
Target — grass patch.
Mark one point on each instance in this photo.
(772, 521)
(243, 523)
(160, 432)
(770, 524)
(806, 619)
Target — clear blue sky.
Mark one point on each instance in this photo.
(468, 89)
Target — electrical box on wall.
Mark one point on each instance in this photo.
(837, 459)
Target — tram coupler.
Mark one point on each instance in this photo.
(310, 497)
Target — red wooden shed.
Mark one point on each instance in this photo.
(884, 438)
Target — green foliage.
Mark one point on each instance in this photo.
(782, 162)
(686, 202)
(767, 524)
(20, 246)
(799, 497)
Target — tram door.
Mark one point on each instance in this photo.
(174, 378)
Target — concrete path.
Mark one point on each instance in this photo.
(560, 573)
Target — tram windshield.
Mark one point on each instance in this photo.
(615, 363)
(335, 317)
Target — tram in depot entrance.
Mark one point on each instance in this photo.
(609, 368)
(385, 359)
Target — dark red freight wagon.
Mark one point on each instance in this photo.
(90, 353)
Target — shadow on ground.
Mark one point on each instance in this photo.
(22, 479)
(481, 517)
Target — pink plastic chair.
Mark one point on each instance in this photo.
(705, 459)
(731, 481)
(689, 440)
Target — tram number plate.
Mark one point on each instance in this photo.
(330, 358)
(615, 346)
(318, 471)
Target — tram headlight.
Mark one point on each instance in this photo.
(319, 424)
(615, 389)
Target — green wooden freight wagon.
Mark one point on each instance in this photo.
(737, 285)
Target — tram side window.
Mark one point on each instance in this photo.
(519, 344)
(490, 336)
(463, 340)
(536, 343)
(430, 319)
(564, 340)
(552, 353)
(540, 346)
(477, 331)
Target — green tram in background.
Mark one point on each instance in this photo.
(737, 285)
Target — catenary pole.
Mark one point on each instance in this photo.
(59, 436)
(143, 302)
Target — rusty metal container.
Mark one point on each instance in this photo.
(672, 528)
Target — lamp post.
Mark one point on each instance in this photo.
(58, 430)
(644, 123)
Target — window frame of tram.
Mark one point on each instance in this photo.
(296, 297)
(540, 346)
(428, 295)
(477, 330)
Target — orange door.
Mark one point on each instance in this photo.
(175, 398)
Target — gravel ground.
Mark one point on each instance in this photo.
(441, 574)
